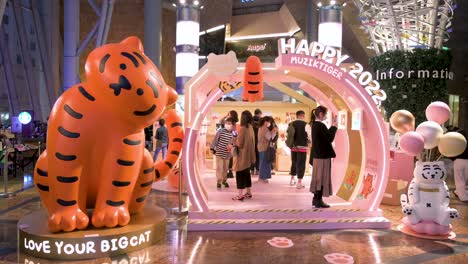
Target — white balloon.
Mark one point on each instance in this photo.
(431, 132)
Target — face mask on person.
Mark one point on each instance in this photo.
(228, 127)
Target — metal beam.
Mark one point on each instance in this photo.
(89, 38)
(43, 52)
(102, 23)
(2, 7)
(33, 88)
(110, 9)
(435, 8)
(9, 75)
(396, 32)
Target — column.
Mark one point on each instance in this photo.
(71, 35)
(330, 20)
(153, 25)
(187, 42)
(312, 21)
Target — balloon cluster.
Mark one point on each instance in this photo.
(428, 134)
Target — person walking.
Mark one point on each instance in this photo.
(256, 124)
(161, 140)
(245, 145)
(321, 154)
(299, 149)
(234, 118)
(265, 137)
(460, 169)
(222, 147)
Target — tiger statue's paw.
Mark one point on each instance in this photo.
(110, 216)
(68, 220)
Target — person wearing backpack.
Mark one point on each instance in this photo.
(298, 141)
(221, 147)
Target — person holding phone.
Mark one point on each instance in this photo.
(321, 154)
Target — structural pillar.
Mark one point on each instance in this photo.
(153, 26)
(187, 42)
(330, 20)
(312, 21)
(71, 36)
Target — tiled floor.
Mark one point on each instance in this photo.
(180, 246)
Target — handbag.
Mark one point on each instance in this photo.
(271, 151)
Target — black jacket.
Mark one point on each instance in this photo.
(300, 134)
(322, 139)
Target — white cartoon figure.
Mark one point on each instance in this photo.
(428, 195)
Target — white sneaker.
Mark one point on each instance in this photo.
(300, 186)
(292, 182)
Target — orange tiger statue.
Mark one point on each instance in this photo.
(253, 80)
(96, 156)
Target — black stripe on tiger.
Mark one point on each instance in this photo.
(69, 179)
(149, 170)
(125, 162)
(253, 83)
(42, 172)
(254, 73)
(86, 94)
(115, 204)
(140, 199)
(179, 140)
(146, 184)
(252, 92)
(170, 165)
(67, 133)
(176, 124)
(102, 64)
(72, 112)
(158, 174)
(140, 57)
(155, 76)
(43, 188)
(131, 57)
(175, 152)
(120, 183)
(131, 142)
(153, 87)
(63, 157)
(66, 203)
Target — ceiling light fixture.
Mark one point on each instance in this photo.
(196, 2)
(332, 2)
(319, 4)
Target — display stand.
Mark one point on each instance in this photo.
(145, 229)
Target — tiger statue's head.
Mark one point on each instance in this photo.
(430, 172)
(127, 83)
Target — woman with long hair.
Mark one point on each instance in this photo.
(245, 145)
(321, 154)
(235, 119)
(265, 137)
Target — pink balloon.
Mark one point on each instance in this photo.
(412, 143)
(438, 112)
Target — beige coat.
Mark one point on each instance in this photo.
(246, 144)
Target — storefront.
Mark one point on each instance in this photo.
(360, 172)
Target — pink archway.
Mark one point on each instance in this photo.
(369, 146)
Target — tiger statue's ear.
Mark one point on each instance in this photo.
(171, 95)
(134, 42)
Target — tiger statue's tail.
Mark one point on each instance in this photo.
(176, 139)
(404, 200)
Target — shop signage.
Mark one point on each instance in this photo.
(314, 54)
(417, 74)
(256, 48)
